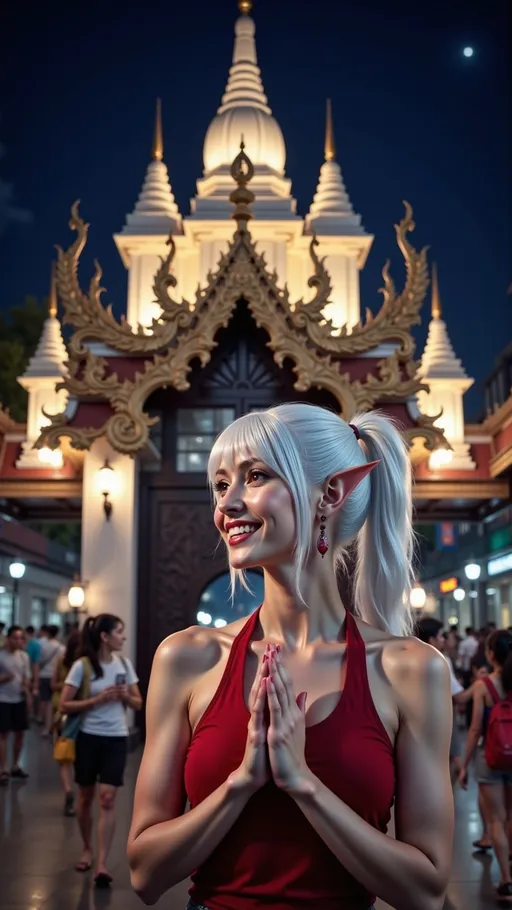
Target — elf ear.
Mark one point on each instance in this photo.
(353, 476)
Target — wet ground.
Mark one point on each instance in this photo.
(38, 848)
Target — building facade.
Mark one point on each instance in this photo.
(240, 304)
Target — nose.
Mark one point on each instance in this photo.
(231, 502)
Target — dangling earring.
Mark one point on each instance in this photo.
(322, 543)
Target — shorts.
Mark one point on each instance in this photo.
(100, 759)
(13, 717)
(45, 689)
(486, 775)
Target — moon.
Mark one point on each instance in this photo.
(468, 52)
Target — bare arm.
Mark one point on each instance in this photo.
(35, 678)
(131, 696)
(68, 704)
(411, 872)
(475, 730)
(462, 698)
(164, 845)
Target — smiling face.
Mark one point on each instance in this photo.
(116, 638)
(254, 514)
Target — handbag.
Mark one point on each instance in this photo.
(64, 748)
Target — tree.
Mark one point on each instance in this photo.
(20, 331)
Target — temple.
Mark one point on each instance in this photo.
(237, 305)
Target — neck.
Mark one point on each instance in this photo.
(286, 619)
(104, 654)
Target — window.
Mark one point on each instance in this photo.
(197, 430)
(38, 612)
(6, 609)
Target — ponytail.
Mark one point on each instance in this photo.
(385, 543)
(90, 642)
(499, 643)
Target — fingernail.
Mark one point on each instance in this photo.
(265, 657)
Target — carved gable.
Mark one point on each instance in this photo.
(185, 333)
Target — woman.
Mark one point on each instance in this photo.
(63, 666)
(495, 787)
(101, 745)
(291, 781)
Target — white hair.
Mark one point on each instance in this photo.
(305, 445)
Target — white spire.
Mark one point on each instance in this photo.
(244, 113)
(50, 355)
(155, 211)
(439, 360)
(331, 211)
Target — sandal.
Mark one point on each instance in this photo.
(103, 880)
(478, 845)
(83, 866)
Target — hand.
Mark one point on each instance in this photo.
(254, 771)
(7, 678)
(463, 778)
(35, 691)
(109, 694)
(122, 692)
(287, 731)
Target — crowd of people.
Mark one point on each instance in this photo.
(481, 677)
(78, 691)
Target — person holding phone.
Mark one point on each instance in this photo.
(101, 745)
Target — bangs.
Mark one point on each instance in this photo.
(251, 436)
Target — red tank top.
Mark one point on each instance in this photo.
(272, 857)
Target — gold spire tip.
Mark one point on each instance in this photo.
(436, 299)
(52, 298)
(245, 7)
(330, 145)
(158, 142)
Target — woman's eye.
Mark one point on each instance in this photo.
(257, 475)
(219, 486)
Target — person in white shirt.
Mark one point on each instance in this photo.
(467, 650)
(101, 745)
(14, 701)
(51, 650)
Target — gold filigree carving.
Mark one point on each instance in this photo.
(94, 322)
(395, 318)
(182, 334)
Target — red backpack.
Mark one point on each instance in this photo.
(498, 738)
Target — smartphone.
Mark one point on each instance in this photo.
(120, 679)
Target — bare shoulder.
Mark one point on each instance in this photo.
(407, 662)
(419, 675)
(195, 650)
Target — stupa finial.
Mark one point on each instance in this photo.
(242, 171)
(158, 141)
(330, 144)
(436, 299)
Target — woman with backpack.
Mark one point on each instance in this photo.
(490, 737)
(101, 743)
(63, 666)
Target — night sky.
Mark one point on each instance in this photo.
(414, 119)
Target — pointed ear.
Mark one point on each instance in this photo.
(353, 476)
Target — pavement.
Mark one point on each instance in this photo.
(38, 848)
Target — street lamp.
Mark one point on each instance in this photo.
(76, 598)
(16, 571)
(417, 597)
(472, 572)
(459, 594)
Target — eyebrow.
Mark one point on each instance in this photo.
(243, 466)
